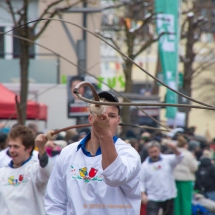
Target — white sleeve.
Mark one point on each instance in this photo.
(174, 159)
(41, 175)
(124, 172)
(56, 196)
(143, 172)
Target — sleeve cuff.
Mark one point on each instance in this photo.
(142, 189)
(112, 167)
(43, 160)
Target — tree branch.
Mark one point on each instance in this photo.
(19, 11)
(182, 58)
(204, 57)
(52, 14)
(199, 22)
(8, 2)
(148, 43)
(111, 39)
(183, 34)
(50, 6)
(129, 40)
(199, 70)
(186, 12)
(146, 20)
(4, 7)
(46, 10)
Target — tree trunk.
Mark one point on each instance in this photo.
(188, 71)
(187, 88)
(125, 113)
(155, 90)
(24, 63)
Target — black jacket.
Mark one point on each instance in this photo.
(205, 176)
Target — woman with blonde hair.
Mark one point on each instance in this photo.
(184, 176)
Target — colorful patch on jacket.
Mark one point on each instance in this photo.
(15, 181)
(85, 175)
(158, 167)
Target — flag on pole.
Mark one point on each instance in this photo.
(168, 23)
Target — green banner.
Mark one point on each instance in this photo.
(168, 24)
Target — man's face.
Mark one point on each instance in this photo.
(81, 90)
(154, 153)
(18, 152)
(113, 117)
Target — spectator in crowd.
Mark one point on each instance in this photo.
(145, 138)
(81, 135)
(3, 141)
(157, 180)
(158, 136)
(75, 138)
(4, 158)
(134, 143)
(208, 153)
(33, 126)
(130, 134)
(205, 177)
(212, 148)
(73, 82)
(194, 147)
(23, 181)
(83, 132)
(185, 176)
(69, 135)
(98, 174)
(53, 149)
(203, 146)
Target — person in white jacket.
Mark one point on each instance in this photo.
(97, 175)
(184, 174)
(5, 157)
(23, 181)
(157, 180)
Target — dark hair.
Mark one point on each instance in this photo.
(109, 97)
(25, 134)
(3, 140)
(75, 78)
(133, 142)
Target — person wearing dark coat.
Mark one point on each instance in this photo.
(205, 178)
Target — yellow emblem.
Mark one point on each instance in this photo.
(83, 172)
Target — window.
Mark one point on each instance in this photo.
(16, 47)
(2, 41)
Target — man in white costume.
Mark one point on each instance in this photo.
(97, 175)
(157, 181)
(23, 181)
(5, 157)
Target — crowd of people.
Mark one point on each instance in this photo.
(93, 171)
(182, 184)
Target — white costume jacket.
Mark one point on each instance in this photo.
(157, 179)
(78, 184)
(5, 159)
(22, 189)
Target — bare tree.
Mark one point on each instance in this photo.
(191, 29)
(131, 33)
(20, 17)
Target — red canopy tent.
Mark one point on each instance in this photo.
(8, 106)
